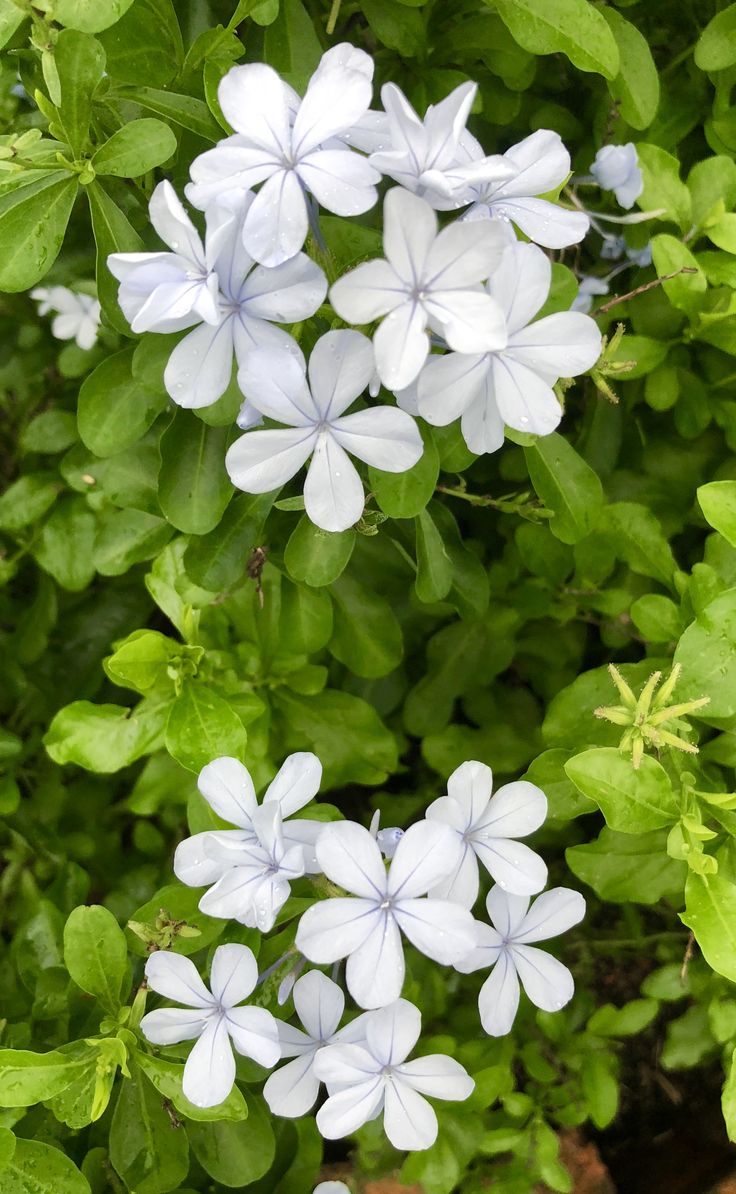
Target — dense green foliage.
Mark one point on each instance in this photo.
(151, 618)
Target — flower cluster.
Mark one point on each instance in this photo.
(454, 306)
(382, 890)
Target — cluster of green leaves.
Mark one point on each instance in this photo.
(151, 619)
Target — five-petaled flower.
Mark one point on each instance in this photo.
(506, 947)
(428, 279)
(77, 315)
(366, 927)
(365, 1080)
(616, 168)
(213, 1018)
(275, 383)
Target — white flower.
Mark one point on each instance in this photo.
(275, 383)
(589, 287)
(616, 168)
(512, 385)
(248, 299)
(331, 1188)
(251, 867)
(486, 827)
(427, 279)
(213, 1018)
(292, 1090)
(367, 929)
(540, 163)
(365, 1080)
(423, 155)
(78, 315)
(293, 148)
(506, 948)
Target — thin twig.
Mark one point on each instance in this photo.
(622, 298)
(332, 19)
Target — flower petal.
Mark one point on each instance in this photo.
(340, 180)
(462, 255)
(511, 864)
(228, 789)
(427, 852)
(374, 972)
(543, 222)
(449, 384)
(198, 371)
(553, 912)
(488, 945)
(233, 974)
(438, 1076)
(286, 293)
(332, 929)
(231, 165)
(560, 345)
(276, 225)
(349, 856)
(292, 1090)
(209, 1073)
(254, 1034)
(470, 321)
(408, 1119)
(197, 861)
(319, 1004)
(170, 1025)
(343, 1113)
(367, 292)
(401, 345)
(481, 424)
(520, 283)
(498, 1001)
(409, 232)
(274, 381)
(506, 911)
(523, 399)
(471, 785)
(516, 810)
(393, 1031)
(546, 981)
(340, 368)
(541, 163)
(261, 461)
(334, 497)
(296, 783)
(173, 225)
(340, 1066)
(461, 885)
(256, 103)
(440, 929)
(382, 436)
(176, 977)
(335, 99)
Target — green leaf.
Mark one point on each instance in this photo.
(146, 1151)
(202, 726)
(405, 495)
(547, 771)
(185, 110)
(367, 636)
(96, 954)
(639, 540)
(723, 232)
(80, 61)
(571, 27)
(166, 1076)
(135, 149)
(317, 557)
(65, 546)
(10, 19)
(397, 27)
(27, 499)
(685, 291)
(104, 738)
(49, 432)
(33, 221)
(113, 233)
(291, 45)
(114, 410)
(663, 187)
(89, 16)
(709, 181)
(128, 537)
(344, 731)
(629, 1020)
(621, 867)
(7, 1147)
(141, 661)
(180, 904)
(235, 1154)
(434, 566)
(27, 1078)
(306, 618)
(656, 617)
(710, 911)
(38, 1168)
(716, 46)
(707, 653)
(600, 1087)
(636, 86)
(567, 485)
(217, 560)
(718, 502)
(194, 488)
(728, 1097)
(631, 801)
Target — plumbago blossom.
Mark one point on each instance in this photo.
(250, 868)
(513, 385)
(275, 383)
(216, 286)
(214, 1018)
(77, 315)
(365, 1080)
(616, 168)
(505, 945)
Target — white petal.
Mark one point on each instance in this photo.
(276, 225)
(340, 368)
(198, 371)
(177, 978)
(250, 334)
(446, 121)
(506, 911)
(541, 163)
(409, 231)
(438, 1076)
(440, 929)
(560, 345)
(334, 100)
(169, 1025)
(401, 345)
(555, 911)
(231, 165)
(261, 461)
(334, 497)
(387, 438)
(375, 970)
(426, 853)
(498, 1000)
(232, 897)
(254, 1034)
(345, 55)
(332, 929)
(408, 1119)
(470, 321)
(368, 291)
(233, 974)
(287, 293)
(228, 789)
(274, 381)
(408, 134)
(340, 180)
(343, 1113)
(393, 1031)
(191, 299)
(255, 102)
(173, 225)
(224, 249)
(481, 424)
(471, 785)
(296, 783)
(511, 864)
(292, 1090)
(461, 886)
(463, 254)
(209, 1072)
(516, 810)
(197, 861)
(524, 400)
(340, 1066)
(488, 945)
(520, 283)
(545, 223)
(546, 981)
(300, 831)
(449, 384)
(319, 1004)
(349, 856)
